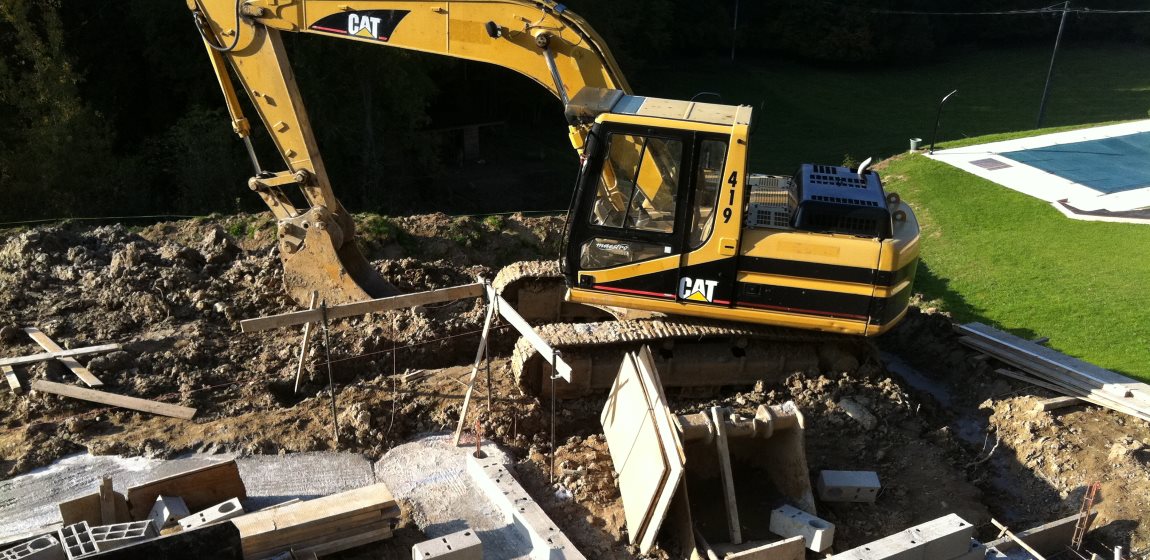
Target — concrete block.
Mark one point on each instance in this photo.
(945, 538)
(547, 541)
(76, 540)
(110, 537)
(461, 545)
(44, 547)
(848, 486)
(977, 551)
(168, 509)
(789, 521)
(218, 512)
(220, 541)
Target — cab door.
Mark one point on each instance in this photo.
(626, 230)
(708, 266)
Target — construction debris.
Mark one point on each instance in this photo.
(945, 538)
(219, 512)
(789, 521)
(1056, 371)
(198, 488)
(13, 381)
(68, 362)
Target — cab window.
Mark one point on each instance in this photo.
(639, 184)
(708, 179)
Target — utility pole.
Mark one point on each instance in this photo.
(1050, 72)
(734, 30)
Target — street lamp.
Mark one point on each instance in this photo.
(938, 118)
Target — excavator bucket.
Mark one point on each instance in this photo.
(319, 255)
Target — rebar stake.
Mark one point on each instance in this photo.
(554, 360)
(330, 377)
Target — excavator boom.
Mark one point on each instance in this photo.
(539, 39)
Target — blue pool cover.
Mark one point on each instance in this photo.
(1109, 165)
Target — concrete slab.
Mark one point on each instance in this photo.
(848, 486)
(460, 545)
(789, 521)
(430, 477)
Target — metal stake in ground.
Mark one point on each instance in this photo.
(303, 345)
(554, 360)
(330, 378)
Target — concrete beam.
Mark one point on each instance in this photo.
(848, 486)
(1047, 539)
(111, 537)
(945, 538)
(218, 512)
(460, 545)
(547, 541)
(789, 521)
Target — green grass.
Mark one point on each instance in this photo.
(993, 255)
(812, 114)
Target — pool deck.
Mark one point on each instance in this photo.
(1072, 199)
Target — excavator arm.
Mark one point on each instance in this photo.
(539, 39)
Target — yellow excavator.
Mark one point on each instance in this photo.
(668, 236)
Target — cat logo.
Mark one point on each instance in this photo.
(697, 290)
(364, 26)
(368, 24)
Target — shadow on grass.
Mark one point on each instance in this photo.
(936, 288)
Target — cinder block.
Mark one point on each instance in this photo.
(45, 547)
(789, 521)
(945, 538)
(848, 486)
(218, 512)
(461, 545)
(168, 509)
(76, 540)
(547, 541)
(110, 537)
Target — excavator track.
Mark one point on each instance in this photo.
(688, 352)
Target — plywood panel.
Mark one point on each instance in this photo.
(200, 488)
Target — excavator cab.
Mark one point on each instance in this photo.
(656, 212)
(666, 219)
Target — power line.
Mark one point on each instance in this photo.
(1054, 9)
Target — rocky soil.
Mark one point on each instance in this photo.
(944, 432)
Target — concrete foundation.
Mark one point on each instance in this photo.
(789, 521)
(547, 541)
(848, 486)
(461, 545)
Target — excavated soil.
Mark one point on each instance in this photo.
(944, 432)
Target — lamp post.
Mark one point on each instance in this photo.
(937, 118)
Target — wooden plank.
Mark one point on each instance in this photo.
(1056, 403)
(315, 512)
(1104, 378)
(122, 401)
(107, 502)
(271, 539)
(36, 358)
(84, 508)
(200, 488)
(346, 543)
(362, 307)
(320, 538)
(561, 368)
(70, 363)
(1088, 396)
(13, 381)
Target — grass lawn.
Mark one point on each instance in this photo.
(997, 256)
(818, 115)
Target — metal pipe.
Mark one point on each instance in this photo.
(938, 118)
(1050, 71)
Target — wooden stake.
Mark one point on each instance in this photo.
(728, 477)
(303, 345)
(107, 502)
(475, 368)
(70, 363)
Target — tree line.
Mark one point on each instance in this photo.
(111, 108)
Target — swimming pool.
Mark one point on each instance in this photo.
(1108, 165)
